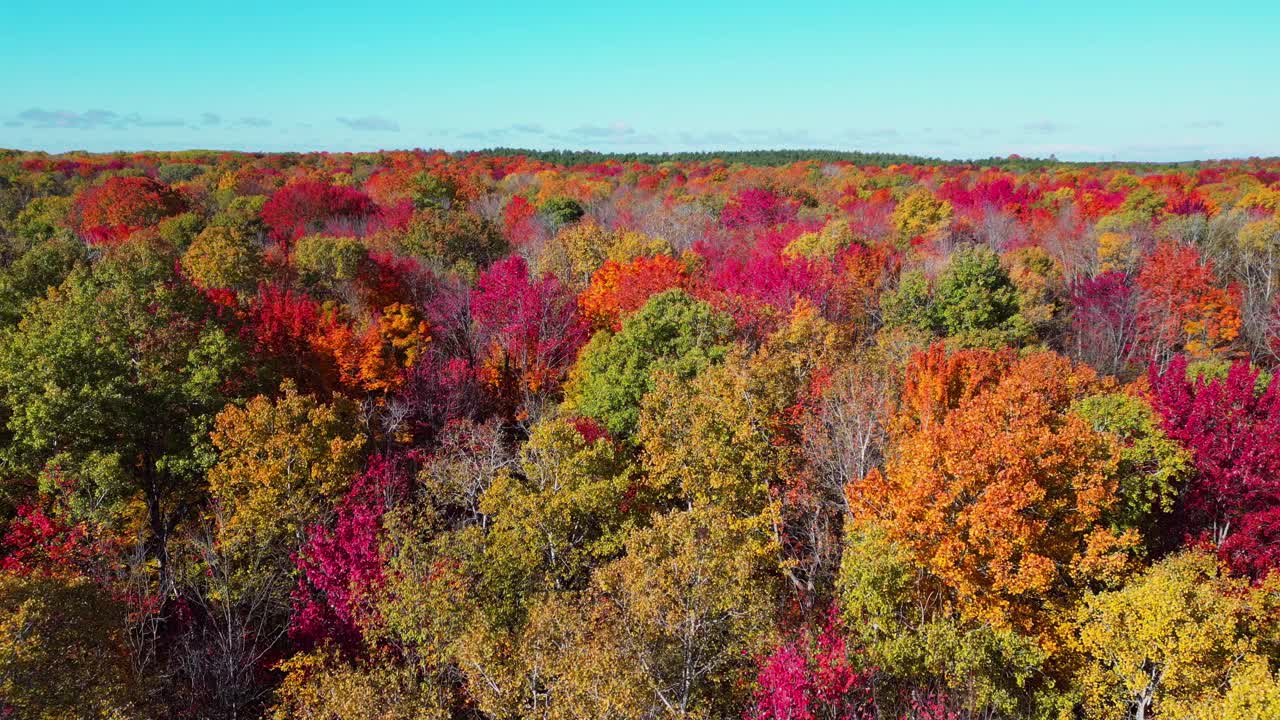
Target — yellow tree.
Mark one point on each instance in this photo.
(920, 214)
(667, 630)
(62, 653)
(1168, 640)
(281, 464)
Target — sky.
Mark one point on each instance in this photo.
(1080, 80)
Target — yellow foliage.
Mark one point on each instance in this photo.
(826, 243)
(921, 214)
(281, 464)
(1166, 641)
(1117, 251)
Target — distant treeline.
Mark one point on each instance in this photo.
(775, 158)
(768, 158)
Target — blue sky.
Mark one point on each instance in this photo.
(1082, 80)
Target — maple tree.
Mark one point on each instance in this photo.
(121, 206)
(618, 289)
(1183, 306)
(1227, 424)
(998, 494)
(311, 206)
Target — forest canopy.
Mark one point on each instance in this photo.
(775, 435)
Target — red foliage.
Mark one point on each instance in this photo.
(590, 429)
(758, 207)
(520, 221)
(341, 565)
(530, 329)
(311, 206)
(280, 321)
(1104, 321)
(110, 212)
(1233, 433)
(811, 677)
(37, 542)
(1183, 305)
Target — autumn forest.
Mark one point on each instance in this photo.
(510, 435)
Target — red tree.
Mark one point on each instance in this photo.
(1233, 432)
(311, 206)
(114, 210)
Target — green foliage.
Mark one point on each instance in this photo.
(669, 629)
(243, 214)
(909, 305)
(562, 210)
(33, 269)
(765, 158)
(328, 260)
(893, 612)
(431, 190)
(975, 304)
(181, 229)
(826, 243)
(1207, 371)
(673, 333)
(1152, 467)
(452, 237)
(113, 380)
(560, 513)
(178, 172)
(42, 219)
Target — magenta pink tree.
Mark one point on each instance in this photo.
(812, 677)
(1233, 431)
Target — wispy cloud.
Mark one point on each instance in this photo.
(371, 123)
(613, 131)
(210, 118)
(1044, 127)
(1205, 124)
(254, 122)
(780, 137)
(709, 140)
(618, 133)
(88, 120)
(515, 133)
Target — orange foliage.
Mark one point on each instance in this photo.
(372, 360)
(1184, 304)
(995, 488)
(617, 289)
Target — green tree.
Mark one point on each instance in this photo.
(30, 269)
(561, 512)
(113, 380)
(329, 261)
(899, 616)
(672, 333)
(562, 210)
(976, 304)
(1152, 466)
